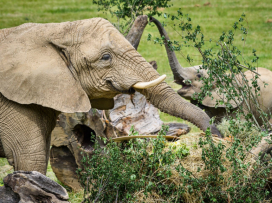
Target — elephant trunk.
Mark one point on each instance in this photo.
(176, 68)
(167, 100)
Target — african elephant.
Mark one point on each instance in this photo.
(194, 73)
(68, 67)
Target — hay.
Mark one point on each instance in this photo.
(245, 135)
(192, 162)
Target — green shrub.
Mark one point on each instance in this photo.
(248, 137)
(118, 171)
(246, 177)
(142, 170)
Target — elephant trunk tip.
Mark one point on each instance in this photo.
(154, 20)
(151, 19)
(215, 131)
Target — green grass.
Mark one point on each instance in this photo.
(5, 169)
(213, 19)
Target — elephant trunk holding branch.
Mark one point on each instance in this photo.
(68, 67)
(194, 73)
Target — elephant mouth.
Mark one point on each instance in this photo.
(130, 90)
(137, 85)
(85, 137)
(185, 86)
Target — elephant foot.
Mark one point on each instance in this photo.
(215, 131)
(177, 129)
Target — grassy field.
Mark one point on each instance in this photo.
(217, 17)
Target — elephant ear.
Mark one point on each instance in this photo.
(33, 70)
(216, 96)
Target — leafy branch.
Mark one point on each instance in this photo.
(126, 11)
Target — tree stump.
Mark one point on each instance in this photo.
(70, 138)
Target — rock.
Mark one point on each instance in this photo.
(7, 195)
(137, 111)
(28, 187)
(73, 134)
(177, 129)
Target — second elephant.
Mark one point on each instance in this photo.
(194, 73)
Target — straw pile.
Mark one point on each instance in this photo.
(194, 161)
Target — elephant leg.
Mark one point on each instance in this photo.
(2, 153)
(25, 132)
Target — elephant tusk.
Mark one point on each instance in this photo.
(145, 85)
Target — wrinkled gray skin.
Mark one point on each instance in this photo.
(65, 67)
(194, 73)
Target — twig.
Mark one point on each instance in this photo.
(116, 197)
(238, 64)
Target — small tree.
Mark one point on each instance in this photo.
(126, 11)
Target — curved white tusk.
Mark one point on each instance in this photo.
(145, 85)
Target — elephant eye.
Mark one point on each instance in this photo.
(106, 57)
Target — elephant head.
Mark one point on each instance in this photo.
(72, 65)
(190, 79)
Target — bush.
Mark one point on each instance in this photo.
(119, 171)
(142, 170)
(246, 176)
